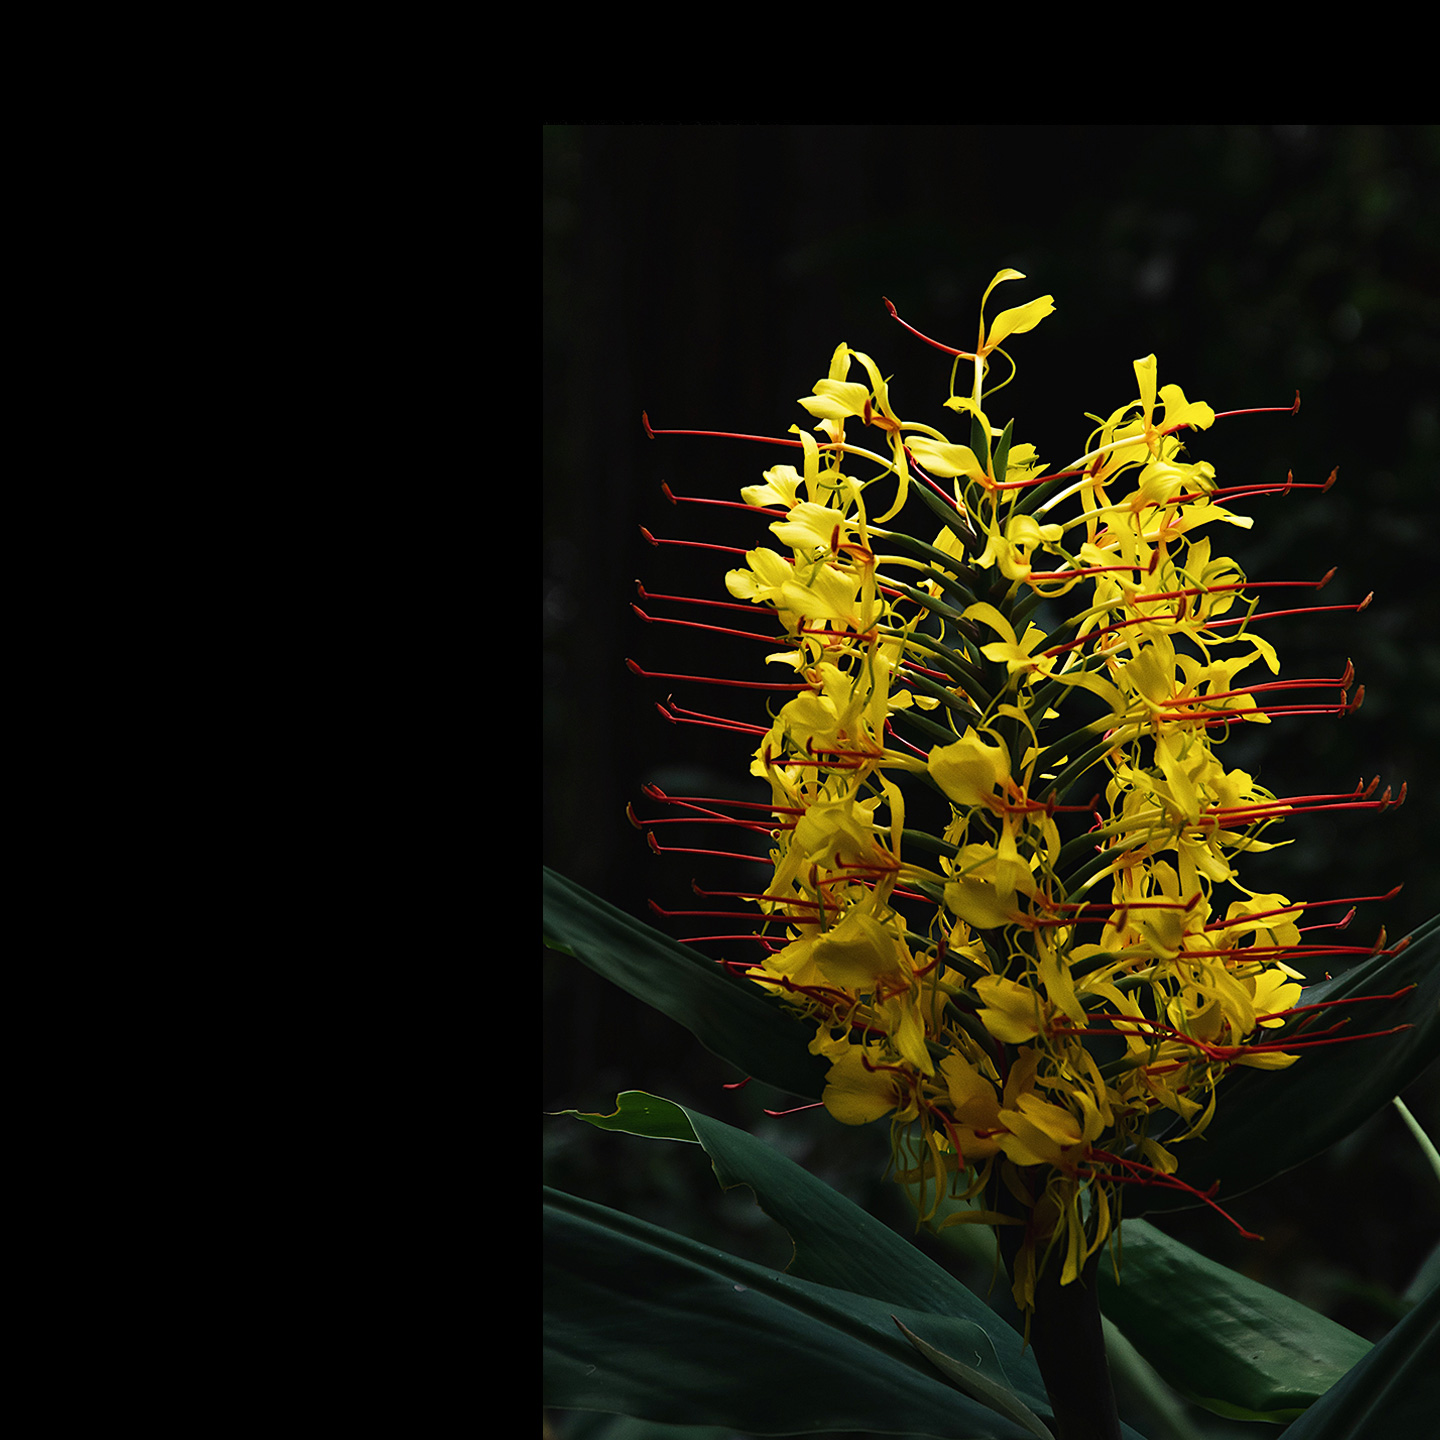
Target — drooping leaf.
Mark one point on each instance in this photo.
(639, 1321)
(1269, 1121)
(639, 1113)
(998, 1397)
(593, 1425)
(846, 1251)
(836, 1242)
(729, 1016)
(1229, 1343)
(1136, 1378)
(1425, 1279)
(1390, 1393)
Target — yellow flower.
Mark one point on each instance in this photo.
(1018, 655)
(971, 770)
(1010, 322)
(860, 1086)
(968, 986)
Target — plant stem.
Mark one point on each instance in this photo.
(1421, 1138)
(1069, 1347)
(1068, 1340)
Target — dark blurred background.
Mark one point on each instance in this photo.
(705, 274)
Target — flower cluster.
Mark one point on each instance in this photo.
(1041, 987)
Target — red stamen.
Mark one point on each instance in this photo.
(1302, 610)
(714, 629)
(1342, 684)
(1233, 492)
(1303, 905)
(754, 825)
(762, 895)
(1263, 410)
(935, 344)
(714, 680)
(695, 600)
(729, 435)
(713, 722)
(729, 964)
(675, 499)
(1249, 814)
(1168, 1182)
(914, 667)
(660, 849)
(1037, 480)
(1341, 924)
(654, 792)
(722, 915)
(1285, 1046)
(811, 748)
(1139, 597)
(1204, 624)
(939, 490)
(1327, 1004)
(694, 544)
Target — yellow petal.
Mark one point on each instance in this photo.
(856, 952)
(969, 770)
(855, 1095)
(1018, 320)
(944, 459)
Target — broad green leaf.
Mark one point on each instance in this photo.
(844, 1249)
(1426, 1278)
(592, 1425)
(1267, 1122)
(1229, 1343)
(1390, 1393)
(836, 1242)
(642, 1322)
(1135, 1377)
(638, 1113)
(729, 1016)
(998, 1397)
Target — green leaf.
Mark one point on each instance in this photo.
(847, 1252)
(836, 1243)
(980, 438)
(1426, 1277)
(637, 1113)
(642, 1322)
(1229, 1343)
(730, 1017)
(1390, 1393)
(591, 1425)
(973, 1382)
(1267, 1122)
(1135, 1378)
(948, 515)
(1002, 453)
(1426, 1144)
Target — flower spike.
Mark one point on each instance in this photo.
(1042, 993)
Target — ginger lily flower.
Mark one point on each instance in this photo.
(1044, 991)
